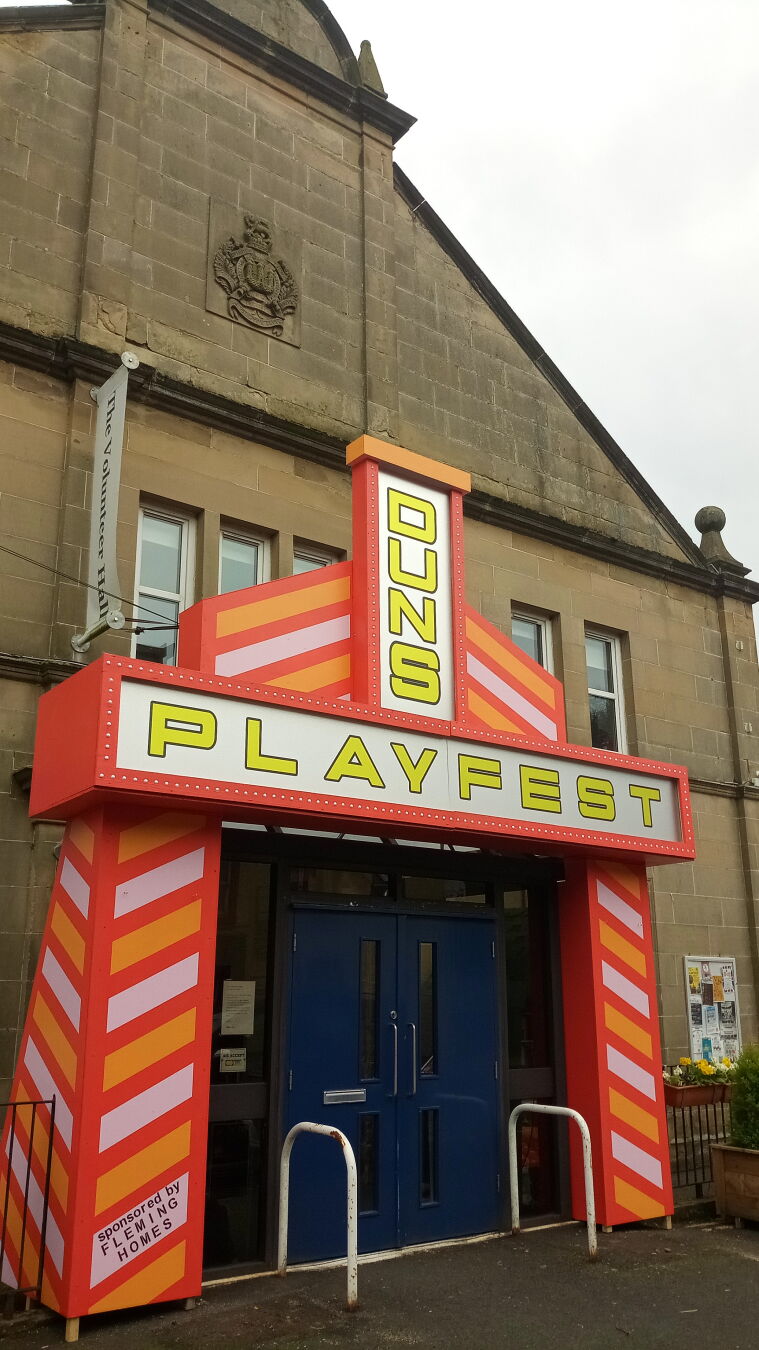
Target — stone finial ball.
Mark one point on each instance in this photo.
(710, 518)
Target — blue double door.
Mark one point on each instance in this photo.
(394, 1040)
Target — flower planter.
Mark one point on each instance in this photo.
(736, 1181)
(696, 1094)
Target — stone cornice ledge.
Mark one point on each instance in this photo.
(44, 670)
(709, 787)
(69, 359)
(45, 18)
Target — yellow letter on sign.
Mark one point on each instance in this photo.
(172, 724)
(354, 761)
(414, 673)
(426, 529)
(540, 789)
(254, 759)
(475, 771)
(595, 798)
(646, 796)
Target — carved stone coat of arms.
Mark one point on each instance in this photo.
(247, 279)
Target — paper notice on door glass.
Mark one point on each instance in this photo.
(233, 1061)
(727, 979)
(238, 1008)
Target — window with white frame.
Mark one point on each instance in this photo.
(164, 582)
(532, 635)
(603, 655)
(243, 561)
(310, 557)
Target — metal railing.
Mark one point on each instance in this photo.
(307, 1127)
(539, 1108)
(30, 1200)
(692, 1130)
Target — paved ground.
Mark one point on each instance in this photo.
(698, 1285)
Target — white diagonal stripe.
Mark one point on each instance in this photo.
(146, 1107)
(636, 1159)
(152, 992)
(61, 985)
(630, 1073)
(620, 909)
(260, 654)
(47, 1087)
(36, 1201)
(8, 1274)
(485, 676)
(625, 989)
(75, 887)
(159, 881)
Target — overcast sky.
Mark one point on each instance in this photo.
(601, 163)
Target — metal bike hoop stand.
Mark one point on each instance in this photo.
(587, 1160)
(307, 1126)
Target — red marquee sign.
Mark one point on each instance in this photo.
(367, 695)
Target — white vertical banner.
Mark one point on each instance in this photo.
(102, 577)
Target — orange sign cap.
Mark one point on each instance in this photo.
(368, 447)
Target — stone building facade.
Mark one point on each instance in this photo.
(138, 139)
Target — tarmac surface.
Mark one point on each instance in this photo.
(695, 1285)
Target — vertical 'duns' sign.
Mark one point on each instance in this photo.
(416, 645)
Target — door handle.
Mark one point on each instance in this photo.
(412, 1029)
(394, 1029)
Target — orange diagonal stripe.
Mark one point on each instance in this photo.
(147, 1285)
(622, 948)
(625, 877)
(315, 677)
(628, 1030)
(491, 716)
(141, 1169)
(287, 606)
(641, 1120)
(155, 937)
(520, 667)
(82, 838)
(637, 1202)
(68, 936)
(150, 834)
(57, 1042)
(149, 1049)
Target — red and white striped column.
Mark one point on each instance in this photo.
(119, 1033)
(612, 1043)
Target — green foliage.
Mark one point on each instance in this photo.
(744, 1108)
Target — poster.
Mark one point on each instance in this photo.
(238, 1008)
(712, 1007)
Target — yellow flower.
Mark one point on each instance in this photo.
(709, 1068)
(725, 1061)
(684, 1059)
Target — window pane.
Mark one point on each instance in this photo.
(302, 563)
(157, 644)
(600, 667)
(368, 1140)
(161, 557)
(241, 973)
(369, 1009)
(450, 890)
(603, 723)
(233, 1192)
(240, 560)
(528, 635)
(427, 1009)
(428, 1154)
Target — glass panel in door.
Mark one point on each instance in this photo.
(448, 1092)
(342, 1072)
(238, 1099)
